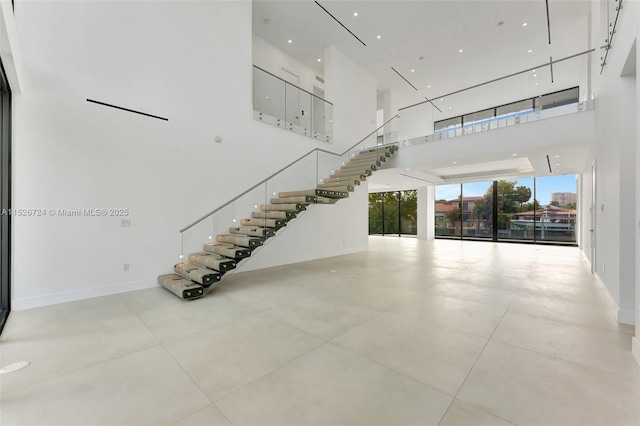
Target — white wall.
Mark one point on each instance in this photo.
(322, 231)
(636, 339)
(353, 93)
(615, 139)
(426, 212)
(272, 59)
(171, 59)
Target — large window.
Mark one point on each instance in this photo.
(393, 213)
(526, 209)
(5, 196)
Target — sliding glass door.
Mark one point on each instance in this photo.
(524, 209)
(393, 213)
(5, 197)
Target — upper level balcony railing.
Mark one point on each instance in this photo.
(282, 104)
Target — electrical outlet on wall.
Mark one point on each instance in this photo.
(125, 267)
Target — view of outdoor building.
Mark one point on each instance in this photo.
(393, 213)
(533, 209)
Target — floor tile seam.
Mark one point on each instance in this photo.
(489, 339)
(325, 340)
(432, 323)
(359, 324)
(496, 287)
(570, 323)
(121, 297)
(591, 367)
(268, 373)
(470, 300)
(477, 408)
(66, 373)
(386, 367)
(189, 415)
(189, 376)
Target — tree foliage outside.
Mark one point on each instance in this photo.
(408, 204)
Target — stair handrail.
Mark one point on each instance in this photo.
(214, 211)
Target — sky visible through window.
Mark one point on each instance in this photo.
(544, 187)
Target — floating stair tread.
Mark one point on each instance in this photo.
(239, 240)
(301, 199)
(183, 288)
(274, 215)
(254, 231)
(228, 250)
(203, 276)
(327, 200)
(213, 261)
(264, 223)
(336, 185)
(342, 189)
(283, 207)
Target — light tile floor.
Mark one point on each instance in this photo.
(410, 332)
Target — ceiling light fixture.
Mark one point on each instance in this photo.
(557, 156)
(319, 60)
(524, 25)
(535, 75)
(355, 13)
(450, 107)
(455, 162)
(290, 41)
(428, 86)
(529, 51)
(413, 70)
(460, 51)
(514, 155)
(379, 37)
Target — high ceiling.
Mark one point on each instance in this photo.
(490, 34)
(442, 47)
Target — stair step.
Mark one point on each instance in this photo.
(326, 200)
(349, 172)
(296, 207)
(203, 276)
(344, 180)
(340, 188)
(274, 215)
(213, 261)
(339, 185)
(239, 240)
(253, 231)
(264, 223)
(183, 288)
(302, 199)
(228, 250)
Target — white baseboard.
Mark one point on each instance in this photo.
(604, 292)
(635, 347)
(88, 293)
(626, 317)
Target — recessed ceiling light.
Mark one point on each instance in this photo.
(455, 162)
(290, 41)
(524, 24)
(408, 169)
(558, 171)
(266, 97)
(441, 99)
(529, 51)
(379, 37)
(557, 164)
(355, 13)
(319, 60)
(460, 51)
(557, 156)
(534, 71)
(428, 86)
(413, 70)
(514, 155)
(536, 84)
(535, 75)
(450, 107)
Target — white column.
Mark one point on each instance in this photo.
(426, 213)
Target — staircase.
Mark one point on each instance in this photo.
(204, 270)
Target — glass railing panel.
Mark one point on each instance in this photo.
(298, 110)
(221, 220)
(299, 176)
(537, 89)
(280, 103)
(321, 119)
(268, 98)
